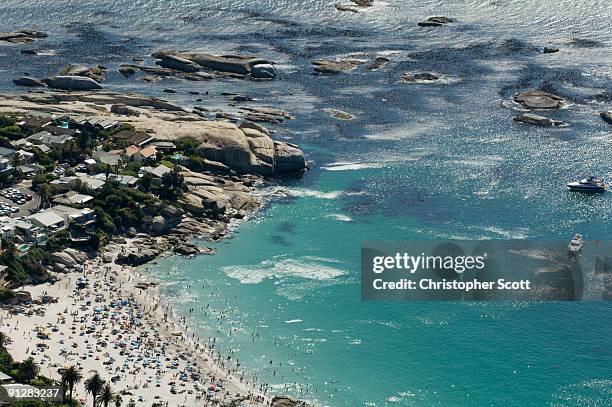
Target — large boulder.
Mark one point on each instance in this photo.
(249, 150)
(124, 110)
(606, 116)
(178, 63)
(29, 82)
(235, 64)
(283, 401)
(64, 259)
(96, 73)
(529, 118)
(72, 83)
(263, 71)
(329, 66)
(538, 99)
(289, 159)
(21, 36)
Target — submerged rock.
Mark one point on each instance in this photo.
(419, 77)
(378, 63)
(22, 36)
(538, 99)
(72, 83)
(339, 114)
(330, 66)
(436, 21)
(606, 116)
(283, 401)
(28, 81)
(550, 50)
(529, 118)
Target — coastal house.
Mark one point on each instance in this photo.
(82, 217)
(111, 158)
(91, 182)
(94, 123)
(7, 153)
(4, 378)
(72, 198)
(49, 221)
(26, 156)
(30, 170)
(34, 121)
(7, 228)
(69, 181)
(165, 146)
(28, 232)
(125, 180)
(48, 139)
(147, 154)
(132, 137)
(156, 172)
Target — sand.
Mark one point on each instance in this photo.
(132, 341)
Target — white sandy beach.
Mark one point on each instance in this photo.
(123, 333)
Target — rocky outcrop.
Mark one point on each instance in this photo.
(137, 258)
(529, 118)
(247, 149)
(330, 66)
(283, 401)
(435, 21)
(178, 63)
(379, 63)
(241, 65)
(355, 6)
(72, 83)
(606, 116)
(96, 73)
(339, 114)
(538, 99)
(419, 77)
(68, 259)
(550, 50)
(124, 110)
(29, 82)
(22, 36)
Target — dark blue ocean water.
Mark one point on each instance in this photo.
(419, 161)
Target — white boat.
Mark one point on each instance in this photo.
(589, 184)
(575, 245)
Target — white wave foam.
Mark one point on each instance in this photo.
(340, 217)
(303, 193)
(351, 166)
(308, 267)
(294, 321)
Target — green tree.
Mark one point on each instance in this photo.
(106, 396)
(71, 376)
(93, 386)
(173, 185)
(28, 370)
(4, 341)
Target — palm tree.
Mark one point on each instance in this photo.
(63, 385)
(28, 370)
(45, 195)
(4, 341)
(71, 376)
(16, 162)
(94, 385)
(106, 396)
